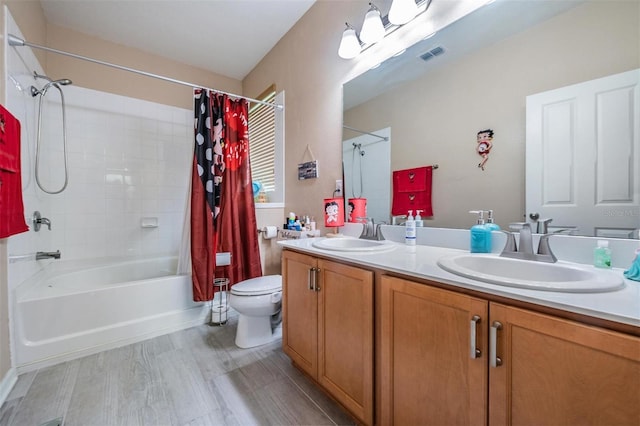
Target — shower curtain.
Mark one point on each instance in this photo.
(222, 210)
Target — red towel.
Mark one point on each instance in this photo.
(11, 207)
(412, 191)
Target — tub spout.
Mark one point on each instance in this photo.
(48, 255)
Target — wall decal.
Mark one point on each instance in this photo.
(484, 145)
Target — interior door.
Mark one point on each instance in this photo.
(583, 156)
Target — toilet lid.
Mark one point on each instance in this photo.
(258, 286)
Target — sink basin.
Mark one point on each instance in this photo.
(353, 245)
(561, 276)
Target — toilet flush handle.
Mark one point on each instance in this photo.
(276, 297)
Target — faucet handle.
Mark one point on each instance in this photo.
(543, 225)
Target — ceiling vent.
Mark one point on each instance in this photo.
(432, 53)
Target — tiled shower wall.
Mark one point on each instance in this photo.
(128, 159)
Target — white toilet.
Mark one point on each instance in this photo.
(258, 302)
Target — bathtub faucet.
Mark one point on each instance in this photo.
(48, 255)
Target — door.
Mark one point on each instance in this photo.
(583, 156)
(431, 373)
(557, 372)
(300, 313)
(345, 336)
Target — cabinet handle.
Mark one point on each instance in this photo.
(316, 284)
(494, 359)
(475, 352)
(311, 280)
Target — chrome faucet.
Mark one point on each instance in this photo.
(524, 249)
(394, 219)
(371, 230)
(48, 255)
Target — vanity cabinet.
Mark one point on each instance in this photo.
(328, 327)
(450, 358)
(428, 375)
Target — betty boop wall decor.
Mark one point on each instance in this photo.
(484, 145)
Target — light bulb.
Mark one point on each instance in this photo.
(402, 11)
(349, 45)
(372, 28)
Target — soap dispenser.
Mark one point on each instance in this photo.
(410, 230)
(419, 221)
(480, 235)
(602, 255)
(491, 225)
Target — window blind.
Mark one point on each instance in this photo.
(262, 141)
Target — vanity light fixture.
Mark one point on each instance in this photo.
(375, 26)
(372, 27)
(402, 11)
(349, 45)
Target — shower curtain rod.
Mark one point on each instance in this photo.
(17, 41)
(384, 138)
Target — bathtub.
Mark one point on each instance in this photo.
(74, 308)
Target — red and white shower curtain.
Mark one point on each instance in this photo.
(222, 209)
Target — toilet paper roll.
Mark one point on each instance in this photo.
(269, 232)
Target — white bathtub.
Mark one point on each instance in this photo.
(75, 308)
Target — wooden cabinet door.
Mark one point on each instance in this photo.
(558, 372)
(429, 376)
(345, 336)
(299, 311)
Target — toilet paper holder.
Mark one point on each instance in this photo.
(269, 232)
(261, 230)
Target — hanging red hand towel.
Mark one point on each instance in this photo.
(11, 207)
(412, 191)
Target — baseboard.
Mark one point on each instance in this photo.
(7, 384)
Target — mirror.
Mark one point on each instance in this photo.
(366, 170)
(476, 74)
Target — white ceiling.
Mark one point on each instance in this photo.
(228, 37)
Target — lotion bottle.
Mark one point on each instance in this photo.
(419, 221)
(480, 242)
(410, 230)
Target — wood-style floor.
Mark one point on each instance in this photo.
(191, 377)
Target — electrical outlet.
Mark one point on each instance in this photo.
(338, 187)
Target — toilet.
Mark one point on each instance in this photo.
(258, 302)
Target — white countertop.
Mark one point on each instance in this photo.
(621, 306)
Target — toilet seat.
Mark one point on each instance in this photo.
(258, 286)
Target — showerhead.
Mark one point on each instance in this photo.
(56, 83)
(63, 81)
